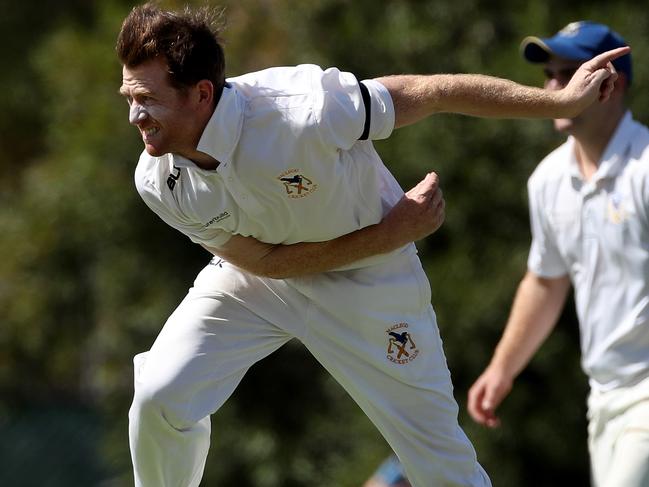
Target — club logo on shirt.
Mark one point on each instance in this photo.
(217, 261)
(401, 345)
(616, 211)
(296, 185)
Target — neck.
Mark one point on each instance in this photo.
(591, 142)
(202, 160)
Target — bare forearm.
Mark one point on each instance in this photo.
(284, 261)
(418, 96)
(300, 259)
(535, 311)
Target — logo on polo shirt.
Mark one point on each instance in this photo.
(218, 218)
(173, 177)
(401, 345)
(297, 185)
(616, 211)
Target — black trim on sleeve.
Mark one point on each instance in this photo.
(368, 111)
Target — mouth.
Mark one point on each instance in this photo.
(150, 132)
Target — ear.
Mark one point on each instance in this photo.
(205, 91)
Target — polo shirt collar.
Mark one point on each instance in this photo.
(221, 134)
(613, 159)
(573, 166)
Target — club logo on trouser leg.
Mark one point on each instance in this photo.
(401, 345)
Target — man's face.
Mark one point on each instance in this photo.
(558, 72)
(164, 115)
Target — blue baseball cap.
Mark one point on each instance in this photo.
(579, 41)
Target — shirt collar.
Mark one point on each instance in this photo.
(573, 167)
(614, 156)
(221, 134)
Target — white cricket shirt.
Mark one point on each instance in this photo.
(598, 233)
(291, 166)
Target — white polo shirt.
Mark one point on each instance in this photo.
(598, 233)
(291, 166)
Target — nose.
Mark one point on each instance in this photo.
(137, 113)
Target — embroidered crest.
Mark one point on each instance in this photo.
(297, 185)
(401, 344)
(616, 211)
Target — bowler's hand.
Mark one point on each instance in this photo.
(486, 394)
(420, 211)
(594, 80)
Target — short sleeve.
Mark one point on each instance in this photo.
(544, 258)
(210, 236)
(382, 110)
(346, 113)
(214, 237)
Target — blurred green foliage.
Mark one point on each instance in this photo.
(88, 274)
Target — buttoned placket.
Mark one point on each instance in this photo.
(590, 199)
(594, 206)
(590, 219)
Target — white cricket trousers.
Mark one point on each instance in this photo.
(373, 329)
(618, 436)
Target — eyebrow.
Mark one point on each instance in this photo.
(135, 92)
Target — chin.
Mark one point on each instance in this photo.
(154, 151)
(563, 125)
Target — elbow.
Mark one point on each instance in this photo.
(277, 264)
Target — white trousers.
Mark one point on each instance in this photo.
(618, 436)
(373, 329)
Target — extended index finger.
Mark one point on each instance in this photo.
(601, 60)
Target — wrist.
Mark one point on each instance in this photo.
(568, 105)
(501, 368)
(386, 236)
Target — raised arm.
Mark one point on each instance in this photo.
(418, 96)
(418, 214)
